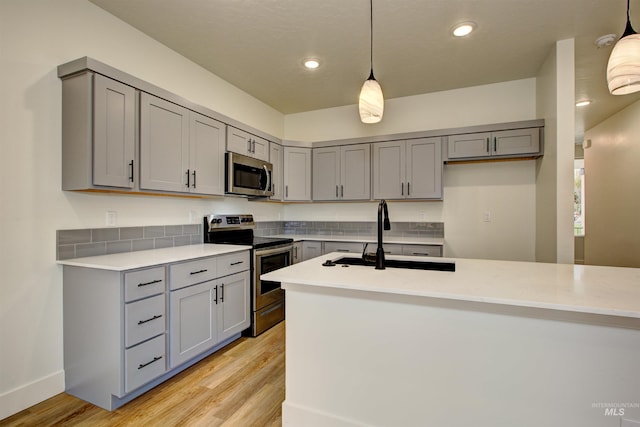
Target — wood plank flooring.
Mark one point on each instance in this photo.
(240, 385)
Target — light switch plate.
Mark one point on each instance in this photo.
(112, 218)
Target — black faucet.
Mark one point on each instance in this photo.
(387, 226)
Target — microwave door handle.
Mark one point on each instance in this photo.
(266, 171)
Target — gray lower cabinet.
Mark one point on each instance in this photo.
(484, 145)
(347, 247)
(297, 252)
(126, 332)
(414, 250)
(208, 302)
(98, 133)
(311, 249)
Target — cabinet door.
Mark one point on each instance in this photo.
(469, 145)
(206, 155)
(297, 173)
(233, 305)
(260, 148)
(355, 171)
(193, 328)
(297, 252)
(238, 141)
(164, 144)
(276, 156)
(424, 168)
(518, 141)
(311, 249)
(114, 133)
(389, 170)
(326, 173)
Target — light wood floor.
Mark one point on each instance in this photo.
(240, 385)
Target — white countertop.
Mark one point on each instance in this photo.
(139, 259)
(365, 239)
(612, 291)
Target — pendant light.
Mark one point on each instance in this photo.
(371, 104)
(623, 69)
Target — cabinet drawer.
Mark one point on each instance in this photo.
(192, 272)
(144, 362)
(389, 248)
(233, 263)
(422, 250)
(351, 247)
(143, 283)
(144, 319)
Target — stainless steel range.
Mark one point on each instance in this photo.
(268, 254)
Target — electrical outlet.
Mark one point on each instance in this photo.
(486, 216)
(112, 218)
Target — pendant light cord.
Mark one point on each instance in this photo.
(628, 29)
(371, 38)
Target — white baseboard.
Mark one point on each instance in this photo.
(298, 415)
(27, 395)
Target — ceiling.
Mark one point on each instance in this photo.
(259, 45)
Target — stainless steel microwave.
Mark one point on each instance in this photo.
(246, 176)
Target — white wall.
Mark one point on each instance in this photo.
(612, 190)
(554, 173)
(506, 190)
(35, 37)
(478, 105)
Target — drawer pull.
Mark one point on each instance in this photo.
(272, 309)
(236, 263)
(342, 250)
(142, 322)
(215, 298)
(222, 293)
(421, 253)
(149, 283)
(155, 359)
(199, 271)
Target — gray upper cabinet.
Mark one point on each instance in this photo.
(98, 133)
(342, 173)
(408, 169)
(276, 156)
(506, 143)
(241, 142)
(297, 173)
(180, 150)
(164, 145)
(206, 155)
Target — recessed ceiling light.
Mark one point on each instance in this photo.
(463, 29)
(311, 64)
(583, 103)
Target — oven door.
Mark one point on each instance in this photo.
(266, 260)
(247, 176)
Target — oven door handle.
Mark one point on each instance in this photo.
(271, 251)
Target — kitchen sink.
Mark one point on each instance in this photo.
(396, 263)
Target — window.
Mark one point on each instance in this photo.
(578, 197)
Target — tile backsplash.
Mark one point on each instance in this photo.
(349, 228)
(101, 241)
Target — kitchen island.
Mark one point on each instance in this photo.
(495, 343)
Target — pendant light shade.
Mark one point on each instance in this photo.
(623, 69)
(371, 102)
